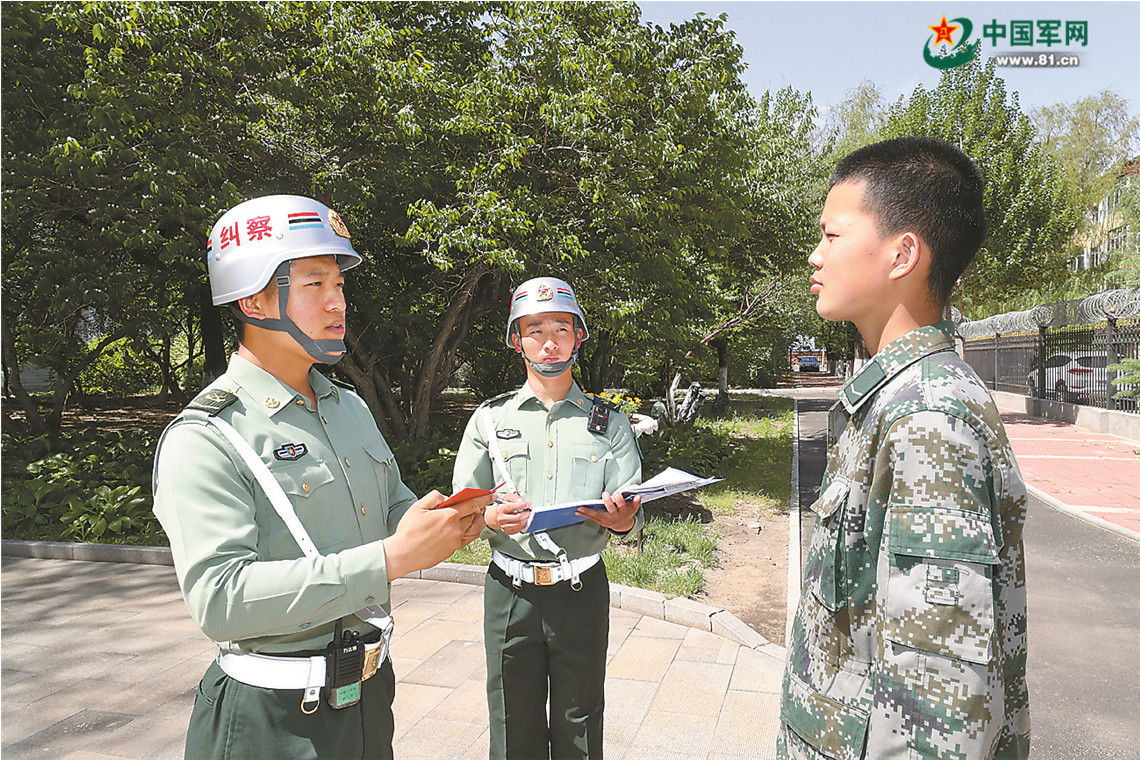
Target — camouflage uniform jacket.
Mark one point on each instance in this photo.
(910, 637)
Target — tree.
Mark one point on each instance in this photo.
(858, 120)
(127, 126)
(1091, 139)
(1027, 199)
(468, 147)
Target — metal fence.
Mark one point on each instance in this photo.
(1060, 350)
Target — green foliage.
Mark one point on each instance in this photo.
(425, 465)
(99, 486)
(1129, 377)
(628, 404)
(1027, 199)
(699, 448)
(119, 511)
(119, 371)
(671, 559)
(1091, 138)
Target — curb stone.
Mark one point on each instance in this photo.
(679, 610)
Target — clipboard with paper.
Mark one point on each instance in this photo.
(666, 483)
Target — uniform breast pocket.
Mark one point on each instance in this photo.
(940, 582)
(515, 457)
(823, 572)
(306, 484)
(384, 467)
(588, 469)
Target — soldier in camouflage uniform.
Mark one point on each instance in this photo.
(910, 637)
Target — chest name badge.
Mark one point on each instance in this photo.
(291, 451)
(508, 434)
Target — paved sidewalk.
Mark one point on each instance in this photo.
(1093, 476)
(101, 662)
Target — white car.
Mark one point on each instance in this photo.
(1069, 375)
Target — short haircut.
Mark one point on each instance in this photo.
(928, 187)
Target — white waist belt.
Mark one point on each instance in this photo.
(308, 673)
(543, 573)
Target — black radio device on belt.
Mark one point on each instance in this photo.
(344, 665)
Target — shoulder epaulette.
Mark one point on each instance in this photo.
(600, 401)
(500, 397)
(213, 401)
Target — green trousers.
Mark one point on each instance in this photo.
(234, 721)
(546, 642)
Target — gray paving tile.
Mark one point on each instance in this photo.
(413, 702)
(432, 739)
(695, 688)
(135, 652)
(670, 734)
(747, 724)
(643, 658)
(450, 666)
(84, 729)
(757, 671)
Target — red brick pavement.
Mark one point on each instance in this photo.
(1093, 474)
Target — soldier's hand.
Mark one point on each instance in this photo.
(510, 514)
(429, 534)
(619, 516)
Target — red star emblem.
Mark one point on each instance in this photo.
(943, 31)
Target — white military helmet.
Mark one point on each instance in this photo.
(252, 239)
(254, 242)
(542, 295)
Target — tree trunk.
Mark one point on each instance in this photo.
(36, 424)
(66, 382)
(435, 370)
(721, 344)
(595, 368)
(213, 340)
(375, 390)
(170, 385)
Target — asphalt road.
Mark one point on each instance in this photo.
(1083, 587)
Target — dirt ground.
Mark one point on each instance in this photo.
(751, 580)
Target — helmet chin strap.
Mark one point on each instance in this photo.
(318, 349)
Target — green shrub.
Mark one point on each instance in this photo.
(101, 485)
(697, 449)
(425, 465)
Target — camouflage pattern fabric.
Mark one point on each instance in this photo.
(910, 637)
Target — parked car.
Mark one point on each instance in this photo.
(1069, 375)
(809, 364)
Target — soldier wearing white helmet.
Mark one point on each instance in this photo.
(285, 509)
(546, 599)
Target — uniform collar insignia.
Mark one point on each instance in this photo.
(894, 358)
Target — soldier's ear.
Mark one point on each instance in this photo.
(253, 306)
(910, 255)
(515, 342)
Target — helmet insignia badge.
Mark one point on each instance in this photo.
(544, 293)
(337, 224)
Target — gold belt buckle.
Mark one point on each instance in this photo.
(544, 575)
(371, 662)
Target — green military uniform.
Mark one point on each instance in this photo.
(910, 637)
(535, 634)
(242, 573)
